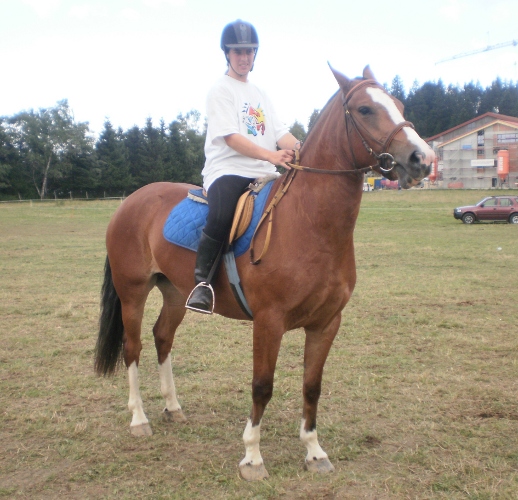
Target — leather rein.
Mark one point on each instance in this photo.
(382, 157)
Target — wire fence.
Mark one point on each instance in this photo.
(68, 198)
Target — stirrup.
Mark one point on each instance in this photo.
(203, 311)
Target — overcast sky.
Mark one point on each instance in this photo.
(127, 60)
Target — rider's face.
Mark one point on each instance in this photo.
(241, 60)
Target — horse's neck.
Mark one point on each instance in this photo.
(327, 148)
(324, 145)
(327, 204)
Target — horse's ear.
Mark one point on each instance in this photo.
(342, 80)
(368, 74)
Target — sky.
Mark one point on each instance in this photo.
(129, 60)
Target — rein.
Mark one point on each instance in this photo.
(283, 189)
(382, 157)
(297, 166)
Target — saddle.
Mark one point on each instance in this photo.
(244, 208)
(186, 221)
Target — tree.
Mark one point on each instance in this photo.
(500, 97)
(509, 103)
(133, 143)
(426, 108)
(471, 98)
(493, 96)
(397, 89)
(152, 154)
(186, 148)
(313, 119)
(46, 141)
(5, 167)
(297, 129)
(112, 160)
(46, 151)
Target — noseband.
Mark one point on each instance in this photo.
(383, 157)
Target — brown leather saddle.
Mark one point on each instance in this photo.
(244, 208)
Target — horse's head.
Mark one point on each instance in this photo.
(375, 122)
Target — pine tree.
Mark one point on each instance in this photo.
(152, 154)
(397, 89)
(112, 161)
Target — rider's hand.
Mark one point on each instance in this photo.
(282, 157)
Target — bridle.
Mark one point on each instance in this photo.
(286, 180)
(383, 157)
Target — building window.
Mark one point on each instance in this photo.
(506, 138)
(480, 138)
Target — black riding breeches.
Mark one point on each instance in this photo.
(223, 196)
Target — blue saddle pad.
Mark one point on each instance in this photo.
(186, 221)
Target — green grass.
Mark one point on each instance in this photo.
(419, 391)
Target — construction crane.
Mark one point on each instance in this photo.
(471, 52)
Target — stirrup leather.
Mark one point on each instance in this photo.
(203, 284)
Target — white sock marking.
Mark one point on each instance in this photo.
(135, 402)
(310, 439)
(167, 386)
(251, 438)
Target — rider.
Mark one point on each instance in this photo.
(245, 140)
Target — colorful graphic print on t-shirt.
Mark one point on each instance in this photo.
(253, 118)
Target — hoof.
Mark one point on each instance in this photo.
(251, 472)
(174, 416)
(322, 466)
(141, 430)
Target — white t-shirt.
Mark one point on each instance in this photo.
(238, 107)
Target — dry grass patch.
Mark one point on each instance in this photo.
(419, 392)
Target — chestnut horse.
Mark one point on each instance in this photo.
(304, 281)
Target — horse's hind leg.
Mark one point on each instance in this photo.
(132, 313)
(171, 315)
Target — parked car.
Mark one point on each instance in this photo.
(492, 208)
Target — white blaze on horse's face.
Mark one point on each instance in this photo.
(382, 98)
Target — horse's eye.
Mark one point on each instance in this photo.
(364, 110)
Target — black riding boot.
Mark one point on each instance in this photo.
(209, 254)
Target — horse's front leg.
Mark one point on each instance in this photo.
(267, 342)
(318, 344)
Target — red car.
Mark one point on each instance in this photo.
(492, 208)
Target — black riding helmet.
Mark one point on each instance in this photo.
(239, 35)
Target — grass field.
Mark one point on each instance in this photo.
(419, 393)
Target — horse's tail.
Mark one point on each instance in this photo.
(108, 349)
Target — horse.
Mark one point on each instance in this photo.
(304, 280)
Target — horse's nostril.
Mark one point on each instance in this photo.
(417, 157)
